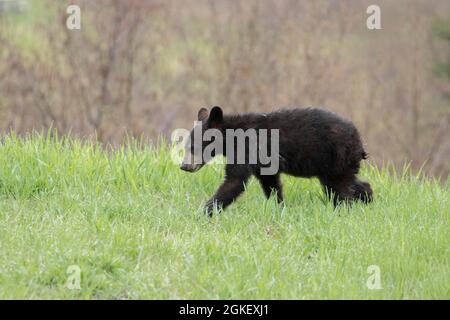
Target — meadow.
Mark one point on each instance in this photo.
(133, 224)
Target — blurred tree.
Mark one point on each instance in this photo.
(440, 149)
(442, 31)
(145, 67)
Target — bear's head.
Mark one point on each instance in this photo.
(199, 149)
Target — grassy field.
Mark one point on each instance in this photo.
(132, 223)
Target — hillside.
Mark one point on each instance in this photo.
(132, 223)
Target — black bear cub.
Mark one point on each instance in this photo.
(311, 142)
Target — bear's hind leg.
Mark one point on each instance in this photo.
(362, 191)
(339, 189)
(347, 188)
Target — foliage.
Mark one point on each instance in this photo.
(133, 223)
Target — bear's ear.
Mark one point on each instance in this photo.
(215, 117)
(202, 114)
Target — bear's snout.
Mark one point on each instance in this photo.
(189, 167)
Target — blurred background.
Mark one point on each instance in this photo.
(144, 67)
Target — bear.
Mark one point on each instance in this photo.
(311, 142)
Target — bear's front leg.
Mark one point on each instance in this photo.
(231, 188)
(271, 184)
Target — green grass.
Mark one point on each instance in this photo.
(133, 223)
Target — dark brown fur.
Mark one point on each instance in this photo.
(312, 143)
